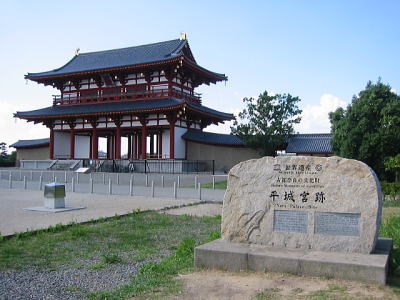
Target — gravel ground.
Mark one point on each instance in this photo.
(64, 283)
(61, 284)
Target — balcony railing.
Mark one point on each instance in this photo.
(107, 96)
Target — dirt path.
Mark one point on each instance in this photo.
(207, 209)
(249, 285)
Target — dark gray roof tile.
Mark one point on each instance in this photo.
(212, 138)
(117, 106)
(118, 57)
(310, 143)
(31, 143)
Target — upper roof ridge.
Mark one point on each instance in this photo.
(130, 47)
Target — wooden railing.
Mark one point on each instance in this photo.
(118, 96)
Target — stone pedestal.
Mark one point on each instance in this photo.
(223, 255)
(54, 203)
(54, 194)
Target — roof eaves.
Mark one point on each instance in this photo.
(218, 76)
(208, 111)
(102, 70)
(101, 113)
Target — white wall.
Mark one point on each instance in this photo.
(61, 145)
(82, 146)
(179, 142)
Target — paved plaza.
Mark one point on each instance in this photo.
(14, 218)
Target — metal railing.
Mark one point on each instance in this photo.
(118, 96)
(151, 166)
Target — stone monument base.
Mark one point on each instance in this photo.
(220, 254)
(54, 210)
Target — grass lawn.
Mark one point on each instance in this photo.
(218, 185)
(164, 243)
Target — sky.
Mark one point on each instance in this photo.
(324, 52)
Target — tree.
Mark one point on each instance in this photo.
(267, 121)
(393, 164)
(369, 129)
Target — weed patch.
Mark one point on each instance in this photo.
(156, 277)
(111, 257)
(268, 294)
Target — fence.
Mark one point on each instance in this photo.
(151, 166)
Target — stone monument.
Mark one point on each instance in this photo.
(54, 199)
(304, 215)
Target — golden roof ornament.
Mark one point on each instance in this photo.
(77, 51)
(183, 36)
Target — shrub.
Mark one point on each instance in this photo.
(391, 189)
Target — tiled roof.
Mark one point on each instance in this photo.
(131, 56)
(310, 143)
(117, 106)
(31, 143)
(210, 110)
(212, 138)
(118, 57)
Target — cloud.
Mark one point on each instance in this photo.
(394, 91)
(315, 118)
(12, 130)
(226, 126)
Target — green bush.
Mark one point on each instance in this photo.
(391, 189)
(391, 229)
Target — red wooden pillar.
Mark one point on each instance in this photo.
(118, 142)
(172, 119)
(172, 140)
(51, 143)
(72, 144)
(144, 138)
(117, 139)
(95, 143)
(160, 144)
(144, 142)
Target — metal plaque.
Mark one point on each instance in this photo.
(346, 224)
(290, 221)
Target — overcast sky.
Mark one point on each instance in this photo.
(322, 51)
